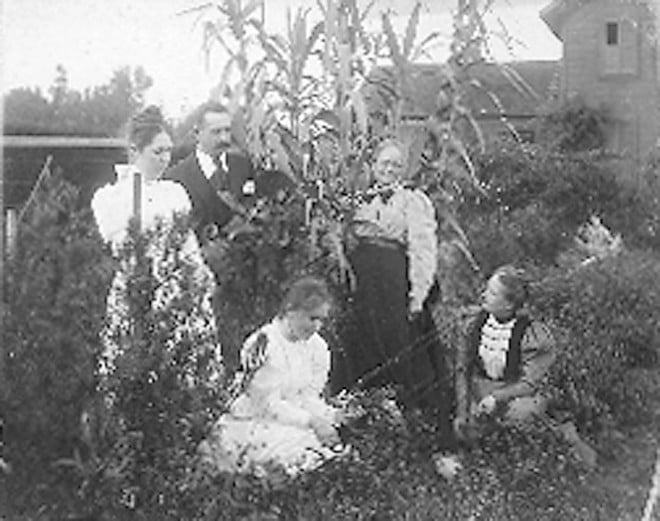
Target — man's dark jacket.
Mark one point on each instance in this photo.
(207, 207)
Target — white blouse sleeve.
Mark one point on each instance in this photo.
(320, 365)
(111, 214)
(422, 246)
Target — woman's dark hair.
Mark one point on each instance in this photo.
(145, 126)
(514, 281)
(306, 293)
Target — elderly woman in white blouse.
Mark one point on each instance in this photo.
(394, 259)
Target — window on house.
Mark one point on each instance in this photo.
(612, 33)
(620, 48)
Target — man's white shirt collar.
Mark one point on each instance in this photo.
(207, 164)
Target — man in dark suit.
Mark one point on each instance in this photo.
(219, 182)
(221, 187)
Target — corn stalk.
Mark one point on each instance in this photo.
(291, 110)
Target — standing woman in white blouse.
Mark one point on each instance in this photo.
(394, 259)
(160, 201)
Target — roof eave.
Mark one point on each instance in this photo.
(554, 15)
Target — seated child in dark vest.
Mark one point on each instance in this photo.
(504, 357)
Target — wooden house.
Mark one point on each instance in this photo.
(610, 61)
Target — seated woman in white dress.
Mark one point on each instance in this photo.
(160, 202)
(280, 419)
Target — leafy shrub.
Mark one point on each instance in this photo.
(259, 265)
(535, 201)
(607, 319)
(82, 442)
(574, 127)
(55, 303)
(516, 475)
(164, 388)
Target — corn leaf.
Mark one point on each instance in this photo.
(252, 6)
(392, 42)
(411, 31)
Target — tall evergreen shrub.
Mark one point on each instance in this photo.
(56, 284)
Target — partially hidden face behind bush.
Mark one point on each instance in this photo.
(606, 316)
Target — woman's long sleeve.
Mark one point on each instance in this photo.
(537, 351)
(111, 215)
(422, 247)
(537, 355)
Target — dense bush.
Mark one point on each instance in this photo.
(55, 303)
(81, 441)
(606, 315)
(574, 127)
(165, 386)
(535, 201)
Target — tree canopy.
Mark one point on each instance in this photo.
(97, 111)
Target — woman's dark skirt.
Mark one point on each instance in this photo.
(381, 346)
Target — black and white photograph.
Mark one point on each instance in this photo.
(343, 260)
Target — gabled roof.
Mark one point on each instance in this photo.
(557, 12)
(512, 89)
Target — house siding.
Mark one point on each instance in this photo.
(631, 97)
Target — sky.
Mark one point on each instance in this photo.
(92, 38)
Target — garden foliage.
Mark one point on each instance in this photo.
(574, 127)
(90, 431)
(535, 201)
(55, 283)
(122, 444)
(73, 451)
(605, 315)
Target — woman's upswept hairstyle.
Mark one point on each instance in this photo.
(515, 283)
(305, 294)
(145, 126)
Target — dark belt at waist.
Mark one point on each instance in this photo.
(381, 242)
